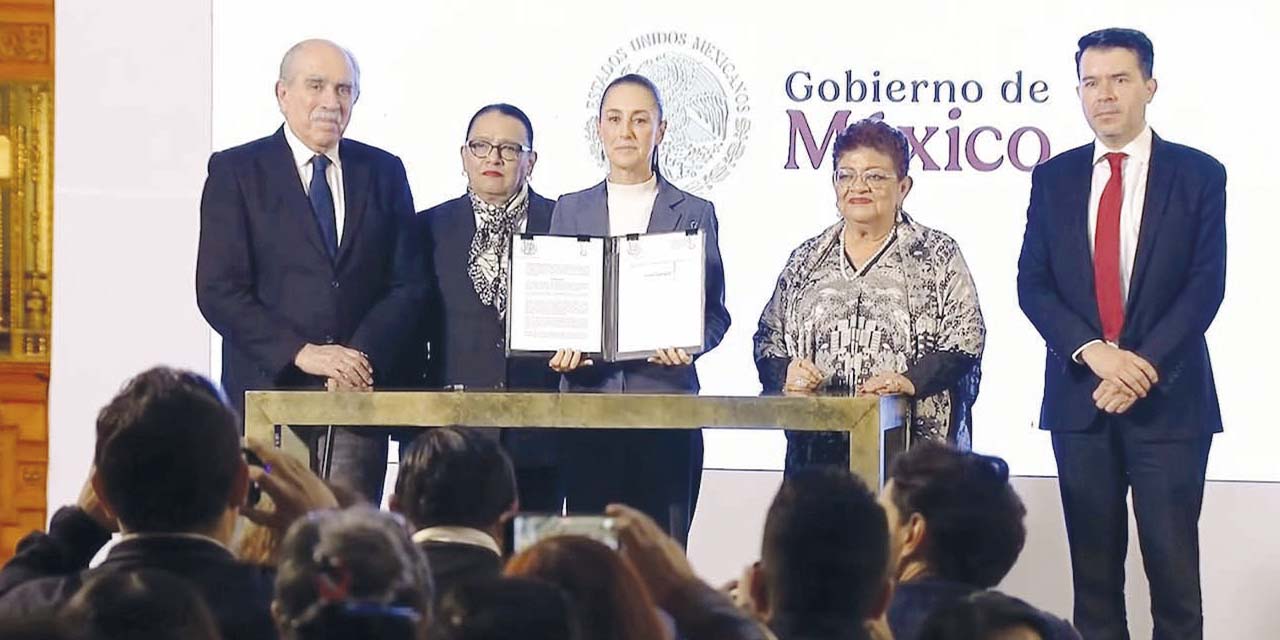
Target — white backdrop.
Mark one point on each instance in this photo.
(132, 136)
(428, 66)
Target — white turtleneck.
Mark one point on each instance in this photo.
(630, 206)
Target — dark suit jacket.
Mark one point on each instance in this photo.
(1179, 276)
(453, 563)
(49, 568)
(586, 213)
(805, 626)
(266, 284)
(467, 339)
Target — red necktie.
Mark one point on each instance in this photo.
(1106, 252)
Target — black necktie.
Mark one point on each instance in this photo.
(322, 204)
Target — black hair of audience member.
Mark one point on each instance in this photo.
(1118, 38)
(986, 615)
(509, 110)
(505, 609)
(145, 604)
(168, 452)
(453, 476)
(825, 553)
(351, 573)
(973, 517)
(38, 626)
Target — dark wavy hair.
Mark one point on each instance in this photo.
(453, 476)
(825, 552)
(168, 452)
(143, 603)
(505, 609)
(973, 518)
(982, 615)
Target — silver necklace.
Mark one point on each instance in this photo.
(844, 255)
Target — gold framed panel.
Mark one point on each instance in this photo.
(876, 426)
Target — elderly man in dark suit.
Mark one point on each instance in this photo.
(467, 240)
(1123, 268)
(305, 265)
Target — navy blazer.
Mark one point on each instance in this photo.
(586, 213)
(1178, 281)
(467, 339)
(266, 284)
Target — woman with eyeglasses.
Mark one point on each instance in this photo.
(656, 471)
(467, 240)
(875, 304)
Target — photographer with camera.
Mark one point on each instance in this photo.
(170, 476)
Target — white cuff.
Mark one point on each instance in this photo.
(1075, 355)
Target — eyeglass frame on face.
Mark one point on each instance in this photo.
(875, 179)
(514, 147)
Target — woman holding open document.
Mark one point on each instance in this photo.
(877, 303)
(654, 470)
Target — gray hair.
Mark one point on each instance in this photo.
(286, 63)
(366, 551)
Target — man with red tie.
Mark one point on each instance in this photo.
(1123, 268)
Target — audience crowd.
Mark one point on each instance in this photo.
(215, 539)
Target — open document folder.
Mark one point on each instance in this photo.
(619, 298)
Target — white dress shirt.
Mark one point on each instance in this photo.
(458, 535)
(302, 155)
(630, 206)
(1133, 172)
(124, 537)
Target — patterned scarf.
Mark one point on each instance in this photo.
(486, 263)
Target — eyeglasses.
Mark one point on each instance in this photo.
(875, 179)
(506, 150)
